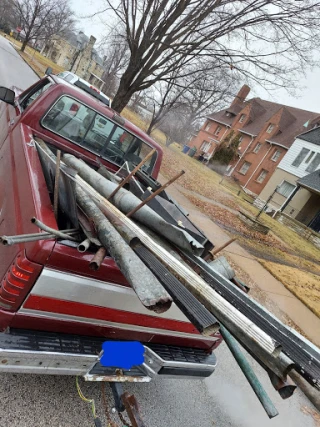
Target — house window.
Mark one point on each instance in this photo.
(262, 176)
(270, 128)
(242, 118)
(309, 157)
(205, 146)
(300, 157)
(207, 127)
(276, 155)
(244, 168)
(257, 147)
(218, 130)
(314, 164)
(285, 188)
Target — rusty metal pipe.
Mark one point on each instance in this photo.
(57, 233)
(84, 246)
(153, 195)
(96, 261)
(285, 387)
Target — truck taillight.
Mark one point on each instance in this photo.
(17, 282)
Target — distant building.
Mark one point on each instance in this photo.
(294, 188)
(265, 132)
(76, 53)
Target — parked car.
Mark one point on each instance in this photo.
(84, 85)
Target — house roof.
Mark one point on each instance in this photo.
(311, 181)
(221, 117)
(80, 41)
(312, 136)
(291, 123)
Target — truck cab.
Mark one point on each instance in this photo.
(55, 312)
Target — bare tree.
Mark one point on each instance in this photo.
(116, 56)
(163, 98)
(7, 18)
(266, 40)
(41, 19)
(195, 96)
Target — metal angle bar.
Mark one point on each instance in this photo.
(198, 315)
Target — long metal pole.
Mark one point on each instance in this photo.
(131, 174)
(153, 195)
(249, 373)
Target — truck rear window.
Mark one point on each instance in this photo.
(80, 124)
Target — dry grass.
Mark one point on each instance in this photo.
(305, 286)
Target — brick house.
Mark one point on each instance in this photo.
(266, 130)
(76, 53)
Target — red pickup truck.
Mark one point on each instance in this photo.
(55, 312)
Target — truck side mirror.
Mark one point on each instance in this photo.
(48, 71)
(7, 95)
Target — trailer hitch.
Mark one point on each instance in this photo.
(124, 401)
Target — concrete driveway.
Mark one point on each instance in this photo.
(223, 400)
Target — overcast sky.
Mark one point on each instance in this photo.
(308, 93)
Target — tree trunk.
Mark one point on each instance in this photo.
(24, 44)
(126, 88)
(169, 141)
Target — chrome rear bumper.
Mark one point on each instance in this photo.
(60, 354)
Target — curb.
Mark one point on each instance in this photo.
(18, 51)
(311, 393)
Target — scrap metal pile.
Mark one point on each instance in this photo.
(144, 243)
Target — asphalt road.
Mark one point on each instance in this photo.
(223, 400)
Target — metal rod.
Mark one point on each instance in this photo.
(84, 246)
(217, 250)
(249, 373)
(153, 195)
(133, 410)
(57, 233)
(56, 186)
(128, 177)
(32, 237)
(98, 258)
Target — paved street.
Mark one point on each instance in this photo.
(224, 400)
(13, 71)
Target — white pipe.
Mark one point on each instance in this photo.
(241, 157)
(257, 167)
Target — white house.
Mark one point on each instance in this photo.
(294, 187)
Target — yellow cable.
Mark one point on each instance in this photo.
(90, 401)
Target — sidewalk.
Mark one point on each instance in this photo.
(308, 322)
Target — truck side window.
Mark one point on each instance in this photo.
(82, 125)
(34, 93)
